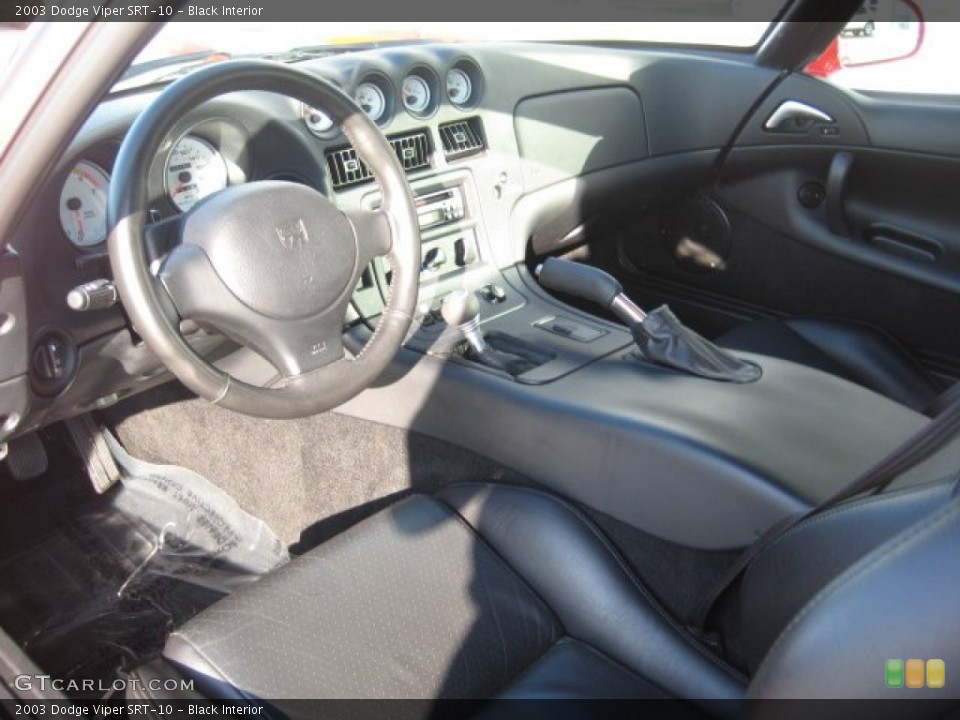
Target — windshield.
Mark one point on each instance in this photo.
(233, 38)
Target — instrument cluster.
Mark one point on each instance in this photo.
(421, 91)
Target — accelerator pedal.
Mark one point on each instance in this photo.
(89, 442)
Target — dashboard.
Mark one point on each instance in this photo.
(214, 154)
(501, 143)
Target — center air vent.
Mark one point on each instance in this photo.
(413, 152)
(462, 138)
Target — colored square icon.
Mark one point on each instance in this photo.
(914, 673)
(936, 673)
(894, 673)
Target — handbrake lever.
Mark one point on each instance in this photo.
(591, 284)
(661, 337)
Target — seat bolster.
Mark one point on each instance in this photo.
(796, 566)
(899, 602)
(596, 598)
(209, 680)
(571, 670)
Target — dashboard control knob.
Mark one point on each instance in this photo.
(465, 252)
(49, 359)
(493, 294)
(95, 295)
(53, 363)
(435, 259)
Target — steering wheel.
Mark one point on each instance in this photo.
(272, 265)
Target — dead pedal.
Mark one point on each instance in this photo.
(90, 444)
(26, 457)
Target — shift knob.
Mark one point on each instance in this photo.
(461, 309)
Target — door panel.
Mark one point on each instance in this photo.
(856, 218)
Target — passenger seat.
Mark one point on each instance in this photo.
(859, 353)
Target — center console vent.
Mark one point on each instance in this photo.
(462, 138)
(413, 152)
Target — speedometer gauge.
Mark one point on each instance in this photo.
(371, 100)
(83, 205)
(194, 171)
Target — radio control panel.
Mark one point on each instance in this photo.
(440, 208)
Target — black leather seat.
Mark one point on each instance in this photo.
(493, 591)
(858, 353)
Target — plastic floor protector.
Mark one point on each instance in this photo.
(97, 593)
(202, 536)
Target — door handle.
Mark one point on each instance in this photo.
(793, 114)
(836, 186)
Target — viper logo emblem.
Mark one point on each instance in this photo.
(293, 234)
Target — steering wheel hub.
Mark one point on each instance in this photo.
(282, 249)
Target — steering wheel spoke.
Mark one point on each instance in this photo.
(162, 237)
(374, 234)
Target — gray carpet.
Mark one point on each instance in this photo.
(307, 479)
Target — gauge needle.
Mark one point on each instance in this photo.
(79, 221)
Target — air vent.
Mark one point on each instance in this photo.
(462, 138)
(413, 152)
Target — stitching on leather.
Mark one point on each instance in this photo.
(389, 309)
(476, 533)
(846, 507)
(645, 593)
(588, 523)
(927, 526)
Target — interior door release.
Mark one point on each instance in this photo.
(794, 116)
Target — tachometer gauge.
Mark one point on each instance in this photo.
(459, 86)
(416, 94)
(371, 100)
(83, 205)
(194, 171)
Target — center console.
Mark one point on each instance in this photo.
(702, 463)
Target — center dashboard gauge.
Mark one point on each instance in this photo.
(194, 170)
(371, 100)
(416, 94)
(459, 86)
(83, 205)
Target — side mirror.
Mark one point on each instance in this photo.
(881, 31)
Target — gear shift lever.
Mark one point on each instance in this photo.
(461, 309)
(661, 337)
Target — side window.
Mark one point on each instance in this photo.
(894, 46)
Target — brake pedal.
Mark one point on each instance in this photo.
(90, 444)
(26, 457)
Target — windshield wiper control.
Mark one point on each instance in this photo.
(461, 310)
(660, 336)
